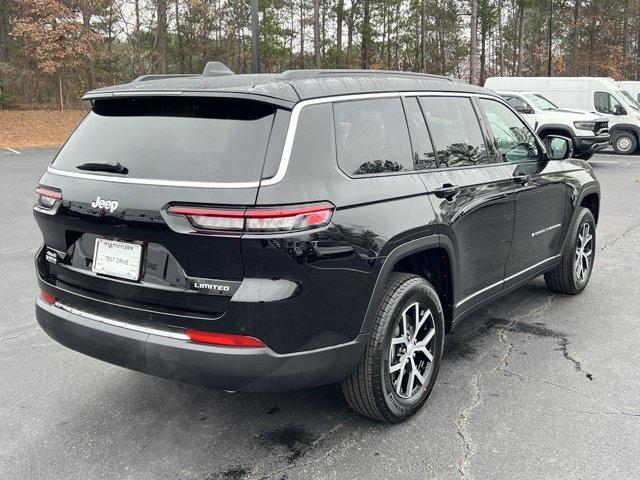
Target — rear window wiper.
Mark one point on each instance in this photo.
(104, 167)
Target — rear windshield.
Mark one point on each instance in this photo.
(185, 139)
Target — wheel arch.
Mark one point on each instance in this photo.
(591, 201)
(627, 127)
(430, 257)
(555, 128)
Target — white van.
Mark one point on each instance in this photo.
(589, 132)
(632, 87)
(594, 94)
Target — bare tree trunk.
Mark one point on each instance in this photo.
(60, 89)
(162, 34)
(316, 33)
(500, 41)
(339, 22)
(483, 54)
(179, 39)
(137, 42)
(520, 39)
(89, 64)
(473, 41)
(625, 37)
(302, 34)
(4, 31)
(366, 34)
(423, 36)
(575, 39)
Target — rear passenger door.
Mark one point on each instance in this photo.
(539, 192)
(471, 193)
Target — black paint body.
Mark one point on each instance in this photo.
(473, 247)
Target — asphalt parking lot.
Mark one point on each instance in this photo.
(537, 385)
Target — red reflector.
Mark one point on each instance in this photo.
(50, 298)
(227, 339)
(47, 192)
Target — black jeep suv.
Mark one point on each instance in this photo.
(272, 232)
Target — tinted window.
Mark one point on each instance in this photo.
(455, 131)
(511, 137)
(372, 137)
(517, 102)
(605, 102)
(423, 155)
(184, 139)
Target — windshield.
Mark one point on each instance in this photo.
(185, 139)
(540, 102)
(629, 99)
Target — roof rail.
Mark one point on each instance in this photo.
(214, 69)
(314, 73)
(153, 76)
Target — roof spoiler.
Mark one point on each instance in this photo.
(216, 69)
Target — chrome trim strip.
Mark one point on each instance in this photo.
(116, 323)
(469, 297)
(147, 181)
(530, 268)
(286, 152)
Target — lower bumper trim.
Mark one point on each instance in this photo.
(168, 355)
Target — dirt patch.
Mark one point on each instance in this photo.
(37, 128)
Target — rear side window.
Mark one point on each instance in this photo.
(372, 137)
(184, 139)
(423, 155)
(455, 131)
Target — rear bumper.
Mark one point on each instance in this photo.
(170, 354)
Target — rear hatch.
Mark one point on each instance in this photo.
(109, 241)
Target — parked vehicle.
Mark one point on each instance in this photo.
(272, 232)
(594, 94)
(588, 132)
(632, 88)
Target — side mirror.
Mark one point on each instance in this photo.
(524, 110)
(558, 148)
(619, 110)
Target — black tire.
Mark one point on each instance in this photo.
(565, 278)
(584, 156)
(624, 142)
(370, 390)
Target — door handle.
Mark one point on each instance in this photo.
(447, 191)
(522, 179)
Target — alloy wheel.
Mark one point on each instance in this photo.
(411, 350)
(584, 251)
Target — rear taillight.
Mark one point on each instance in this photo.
(224, 339)
(50, 298)
(48, 198)
(257, 220)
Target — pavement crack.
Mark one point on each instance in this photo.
(476, 400)
(617, 237)
(313, 445)
(468, 446)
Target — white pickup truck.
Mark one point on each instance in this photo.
(589, 132)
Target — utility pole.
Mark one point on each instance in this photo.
(255, 38)
(550, 37)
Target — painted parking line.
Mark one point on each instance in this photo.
(604, 161)
(12, 150)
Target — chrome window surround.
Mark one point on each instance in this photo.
(288, 145)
